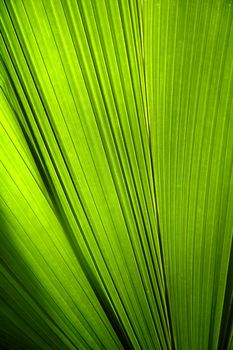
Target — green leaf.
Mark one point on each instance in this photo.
(116, 174)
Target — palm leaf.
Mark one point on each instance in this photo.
(116, 174)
